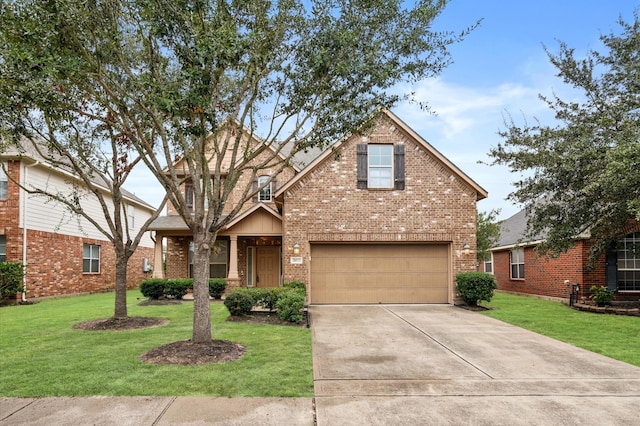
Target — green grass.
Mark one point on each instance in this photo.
(41, 354)
(615, 336)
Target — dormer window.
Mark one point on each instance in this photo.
(265, 193)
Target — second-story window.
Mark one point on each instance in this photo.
(265, 193)
(131, 216)
(380, 166)
(4, 181)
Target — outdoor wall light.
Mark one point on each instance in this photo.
(466, 248)
(296, 248)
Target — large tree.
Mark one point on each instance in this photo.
(582, 173)
(192, 80)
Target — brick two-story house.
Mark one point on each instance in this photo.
(519, 268)
(63, 253)
(381, 218)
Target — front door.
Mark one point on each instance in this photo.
(268, 266)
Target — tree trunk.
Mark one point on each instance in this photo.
(121, 284)
(201, 306)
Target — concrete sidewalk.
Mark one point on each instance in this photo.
(143, 411)
(442, 365)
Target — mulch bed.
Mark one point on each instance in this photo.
(187, 352)
(120, 324)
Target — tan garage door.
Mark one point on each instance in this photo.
(379, 273)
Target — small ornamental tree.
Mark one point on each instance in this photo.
(475, 286)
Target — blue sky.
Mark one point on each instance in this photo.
(500, 68)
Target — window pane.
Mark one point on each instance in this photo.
(86, 265)
(250, 266)
(380, 177)
(86, 251)
(219, 252)
(217, 271)
(380, 155)
(265, 194)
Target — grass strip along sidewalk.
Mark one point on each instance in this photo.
(41, 354)
(615, 336)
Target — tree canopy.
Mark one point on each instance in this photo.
(583, 172)
(188, 79)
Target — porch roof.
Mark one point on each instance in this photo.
(175, 223)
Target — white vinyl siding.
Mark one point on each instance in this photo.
(45, 215)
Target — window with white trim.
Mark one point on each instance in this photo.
(516, 263)
(4, 182)
(90, 259)
(380, 167)
(629, 263)
(265, 193)
(131, 216)
(488, 263)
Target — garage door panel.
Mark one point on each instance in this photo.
(378, 273)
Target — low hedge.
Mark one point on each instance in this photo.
(153, 288)
(217, 286)
(287, 301)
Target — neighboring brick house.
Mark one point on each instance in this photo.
(63, 254)
(518, 268)
(381, 218)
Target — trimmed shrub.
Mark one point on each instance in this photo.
(298, 285)
(178, 287)
(270, 296)
(11, 274)
(475, 286)
(153, 288)
(238, 302)
(602, 296)
(217, 286)
(290, 305)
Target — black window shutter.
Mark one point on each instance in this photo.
(188, 195)
(256, 196)
(612, 268)
(361, 162)
(398, 166)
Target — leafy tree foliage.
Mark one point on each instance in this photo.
(187, 82)
(487, 232)
(583, 174)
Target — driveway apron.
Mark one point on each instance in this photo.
(439, 364)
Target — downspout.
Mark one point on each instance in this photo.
(24, 229)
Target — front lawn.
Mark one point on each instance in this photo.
(41, 354)
(615, 336)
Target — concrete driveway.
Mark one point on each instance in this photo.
(437, 364)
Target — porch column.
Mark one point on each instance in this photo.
(233, 258)
(157, 257)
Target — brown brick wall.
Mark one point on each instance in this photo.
(436, 205)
